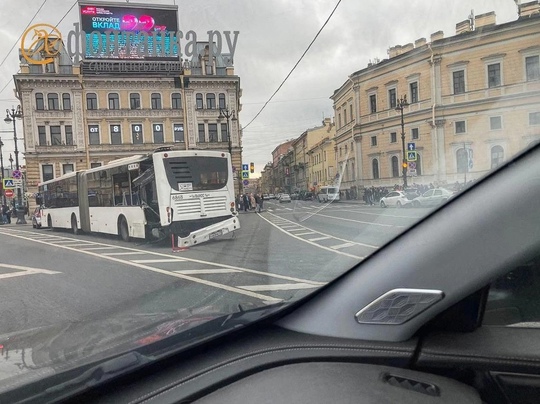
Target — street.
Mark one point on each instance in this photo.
(287, 251)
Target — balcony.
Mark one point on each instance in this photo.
(134, 113)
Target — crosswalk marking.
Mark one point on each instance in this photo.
(306, 233)
(337, 247)
(207, 271)
(278, 286)
(319, 238)
(100, 248)
(125, 253)
(154, 261)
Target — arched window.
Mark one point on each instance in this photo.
(40, 103)
(199, 100)
(211, 101)
(53, 102)
(114, 101)
(395, 166)
(155, 100)
(462, 160)
(497, 156)
(375, 169)
(222, 103)
(91, 101)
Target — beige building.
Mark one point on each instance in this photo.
(81, 116)
(472, 101)
(322, 163)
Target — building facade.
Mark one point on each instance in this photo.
(469, 102)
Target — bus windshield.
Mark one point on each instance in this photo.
(196, 173)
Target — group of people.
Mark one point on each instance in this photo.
(249, 202)
(8, 213)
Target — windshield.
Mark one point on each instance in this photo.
(354, 120)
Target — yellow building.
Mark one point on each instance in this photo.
(81, 116)
(472, 101)
(322, 163)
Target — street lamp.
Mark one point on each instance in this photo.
(402, 103)
(11, 116)
(11, 160)
(2, 168)
(229, 115)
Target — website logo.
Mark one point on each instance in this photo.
(43, 41)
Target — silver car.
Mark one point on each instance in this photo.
(432, 197)
(284, 198)
(395, 198)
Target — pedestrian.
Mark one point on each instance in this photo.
(252, 202)
(246, 202)
(258, 201)
(5, 212)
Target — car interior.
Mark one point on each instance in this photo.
(449, 311)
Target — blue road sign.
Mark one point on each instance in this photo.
(245, 174)
(245, 167)
(245, 182)
(411, 156)
(9, 183)
(411, 146)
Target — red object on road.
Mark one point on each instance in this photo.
(8, 193)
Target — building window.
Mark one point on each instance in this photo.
(339, 121)
(95, 165)
(56, 135)
(211, 101)
(393, 137)
(413, 89)
(494, 75)
(415, 134)
(373, 103)
(224, 132)
(459, 81)
(52, 100)
(222, 103)
(340, 152)
(178, 129)
(91, 101)
(47, 172)
(534, 118)
(418, 165)
(93, 134)
(201, 133)
(199, 101)
(134, 100)
(212, 132)
(67, 168)
(460, 127)
(158, 133)
(497, 156)
(155, 99)
(532, 67)
(114, 101)
(345, 116)
(116, 134)
(40, 102)
(42, 135)
(495, 122)
(176, 101)
(462, 160)
(375, 169)
(395, 166)
(374, 140)
(392, 98)
(69, 134)
(137, 133)
(66, 101)
(351, 111)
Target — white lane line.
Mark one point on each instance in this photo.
(25, 271)
(355, 221)
(279, 286)
(337, 247)
(305, 234)
(381, 214)
(155, 261)
(125, 253)
(75, 244)
(289, 208)
(298, 229)
(319, 238)
(100, 248)
(207, 271)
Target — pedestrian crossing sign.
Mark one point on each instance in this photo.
(245, 174)
(411, 156)
(9, 183)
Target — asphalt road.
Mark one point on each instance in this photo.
(283, 253)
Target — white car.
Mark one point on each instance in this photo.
(432, 197)
(395, 198)
(284, 198)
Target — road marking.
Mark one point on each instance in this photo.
(207, 271)
(337, 247)
(305, 234)
(352, 220)
(279, 286)
(100, 248)
(320, 238)
(154, 261)
(124, 253)
(25, 271)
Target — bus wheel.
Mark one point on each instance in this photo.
(123, 230)
(74, 228)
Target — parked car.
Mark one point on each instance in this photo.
(36, 217)
(432, 197)
(295, 195)
(395, 198)
(309, 196)
(284, 198)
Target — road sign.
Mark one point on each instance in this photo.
(245, 174)
(411, 156)
(245, 182)
(17, 174)
(411, 146)
(245, 167)
(412, 165)
(8, 183)
(8, 193)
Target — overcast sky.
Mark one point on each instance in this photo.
(273, 35)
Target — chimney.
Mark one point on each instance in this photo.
(528, 9)
(463, 26)
(420, 42)
(436, 36)
(392, 52)
(407, 48)
(484, 20)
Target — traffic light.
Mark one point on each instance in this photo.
(251, 168)
(404, 165)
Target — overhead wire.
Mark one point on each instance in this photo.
(296, 64)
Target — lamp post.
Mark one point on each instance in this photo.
(10, 161)
(11, 116)
(2, 168)
(401, 104)
(230, 115)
